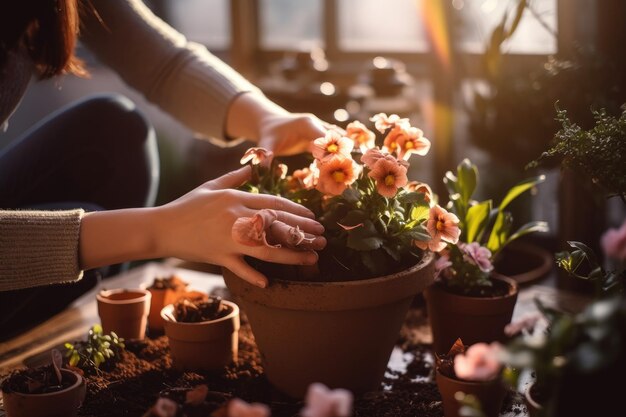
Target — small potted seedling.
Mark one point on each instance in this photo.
(124, 312)
(167, 291)
(202, 334)
(96, 350)
(45, 391)
(475, 371)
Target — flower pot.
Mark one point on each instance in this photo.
(164, 297)
(207, 345)
(524, 262)
(473, 319)
(338, 333)
(63, 403)
(490, 394)
(124, 311)
(535, 409)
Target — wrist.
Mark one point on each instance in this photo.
(247, 113)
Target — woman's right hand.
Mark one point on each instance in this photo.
(197, 227)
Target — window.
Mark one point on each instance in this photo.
(206, 22)
(290, 25)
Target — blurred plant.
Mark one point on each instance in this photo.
(485, 230)
(96, 350)
(598, 153)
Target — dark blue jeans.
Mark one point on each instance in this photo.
(97, 154)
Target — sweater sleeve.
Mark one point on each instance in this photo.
(39, 248)
(181, 77)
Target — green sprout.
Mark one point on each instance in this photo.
(96, 350)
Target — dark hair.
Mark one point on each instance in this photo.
(47, 29)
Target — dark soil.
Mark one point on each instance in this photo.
(144, 374)
(168, 283)
(40, 380)
(189, 311)
(497, 289)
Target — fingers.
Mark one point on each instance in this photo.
(304, 223)
(263, 201)
(240, 268)
(231, 179)
(281, 255)
(292, 237)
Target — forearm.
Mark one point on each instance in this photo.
(247, 113)
(110, 237)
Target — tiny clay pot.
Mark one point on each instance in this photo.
(124, 311)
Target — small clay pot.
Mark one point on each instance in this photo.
(166, 296)
(534, 408)
(490, 394)
(207, 345)
(124, 311)
(473, 319)
(64, 403)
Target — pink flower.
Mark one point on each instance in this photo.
(336, 174)
(324, 402)
(332, 144)
(412, 141)
(477, 255)
(306, 177)
(526, 323)
(240, 408)
(442, 228)
(423, 188)
(256, 155)
(384, 122)
(479, 363)
(252, 231)
(613, 243)
(441, 264)
(389, 175)
(361, 135)
(371, 156)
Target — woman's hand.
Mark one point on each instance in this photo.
(197, 227)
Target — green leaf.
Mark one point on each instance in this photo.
(476, 220)
(413, 198)
(530, 227)
(354, 217)
(589, 253)
(519, 189)
(364, 243)
(74, 359)
(351, 195)
(393, 252)
(500, 232)
(451, 183)
(420, 213)
(97, 329)
(467, 175)
(417, 233)
(68, 346)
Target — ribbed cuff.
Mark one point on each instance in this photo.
(39, 248)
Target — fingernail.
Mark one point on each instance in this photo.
(319, 229)
(261, 283)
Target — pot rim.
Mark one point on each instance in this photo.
(170, 307)
(464, 381)
(143, 296)
(528, 397)
(75, 385)
(513, 289)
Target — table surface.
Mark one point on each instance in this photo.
(73, 323)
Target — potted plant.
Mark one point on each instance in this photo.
(97, 349)
(124, 311)
(165, 291)
(348, 311)
(576, 357)
(46, 391)
(470, 300)
(203, 335)
(471, 371)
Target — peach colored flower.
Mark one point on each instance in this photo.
(363, 137)
(336, 174)
(442, 227)
(382, 122)
(613, 243)
(240, 408)
(256, 155)
(252, 231)
(324, 402)
(371, 156)
(479, 363)
(477, 255)
(423, 188)
(281, 171)
(389, 176)
(306, 177)
(332, 144)
(412, 141)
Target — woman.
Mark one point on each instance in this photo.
(101, 154)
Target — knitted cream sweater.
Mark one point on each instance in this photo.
(181, 77)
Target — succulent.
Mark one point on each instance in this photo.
(96, 350)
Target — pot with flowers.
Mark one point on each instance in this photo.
(469, 299)
(337, 323)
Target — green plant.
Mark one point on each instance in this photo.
(597, 153)
(96, 350)
(372, 215)
(486, 229)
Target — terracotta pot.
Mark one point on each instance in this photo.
(534, 408)
(164, 297)
(208, 345)
(524, 262)
(338, 333)
(473, 319)
(124, 311)
(490, 394)
(64, 403)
